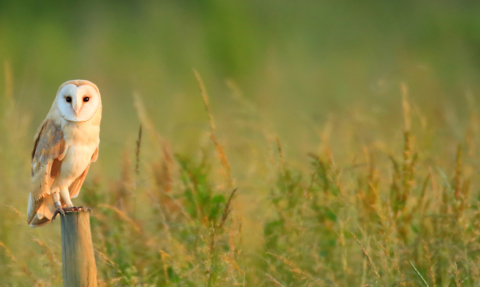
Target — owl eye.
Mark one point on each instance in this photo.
(68, 99)
(86, 99)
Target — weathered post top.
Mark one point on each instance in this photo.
(79, 269)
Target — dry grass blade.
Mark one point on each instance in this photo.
(122, 215)
(227, 210)
(221, 153)
(8, 253)
(145, 120)
(223, 159)
(48, 252)
(370, 261)
(16, 211)
(406, 106)
(280, 151)
(163, 256)
(274, 280)
(203, 91)
(457, 181)
(137, 151)
(105, 257)
(24, 267)
(292, 266)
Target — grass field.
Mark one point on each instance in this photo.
(254, 143)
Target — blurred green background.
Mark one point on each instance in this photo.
(322, 76)
(296, 61)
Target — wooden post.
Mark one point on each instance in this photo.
(78, 260)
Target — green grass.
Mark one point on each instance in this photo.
(408, 217)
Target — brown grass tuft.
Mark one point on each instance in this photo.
(221, 153)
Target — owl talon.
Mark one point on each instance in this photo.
(63, 210)
(59, 210)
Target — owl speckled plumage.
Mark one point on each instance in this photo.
(64, 146)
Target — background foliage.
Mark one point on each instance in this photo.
(350, 129)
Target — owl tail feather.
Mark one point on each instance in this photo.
(40, 212)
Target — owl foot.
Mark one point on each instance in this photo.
(59, 210)
(62, 210)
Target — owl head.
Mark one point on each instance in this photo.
(78, 100)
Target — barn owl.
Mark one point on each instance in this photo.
(64, 146)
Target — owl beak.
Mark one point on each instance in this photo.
(77, 103)
(76, 109)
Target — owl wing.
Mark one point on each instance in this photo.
(74, 188)
(48, 152)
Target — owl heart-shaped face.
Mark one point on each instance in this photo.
(78, 101)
